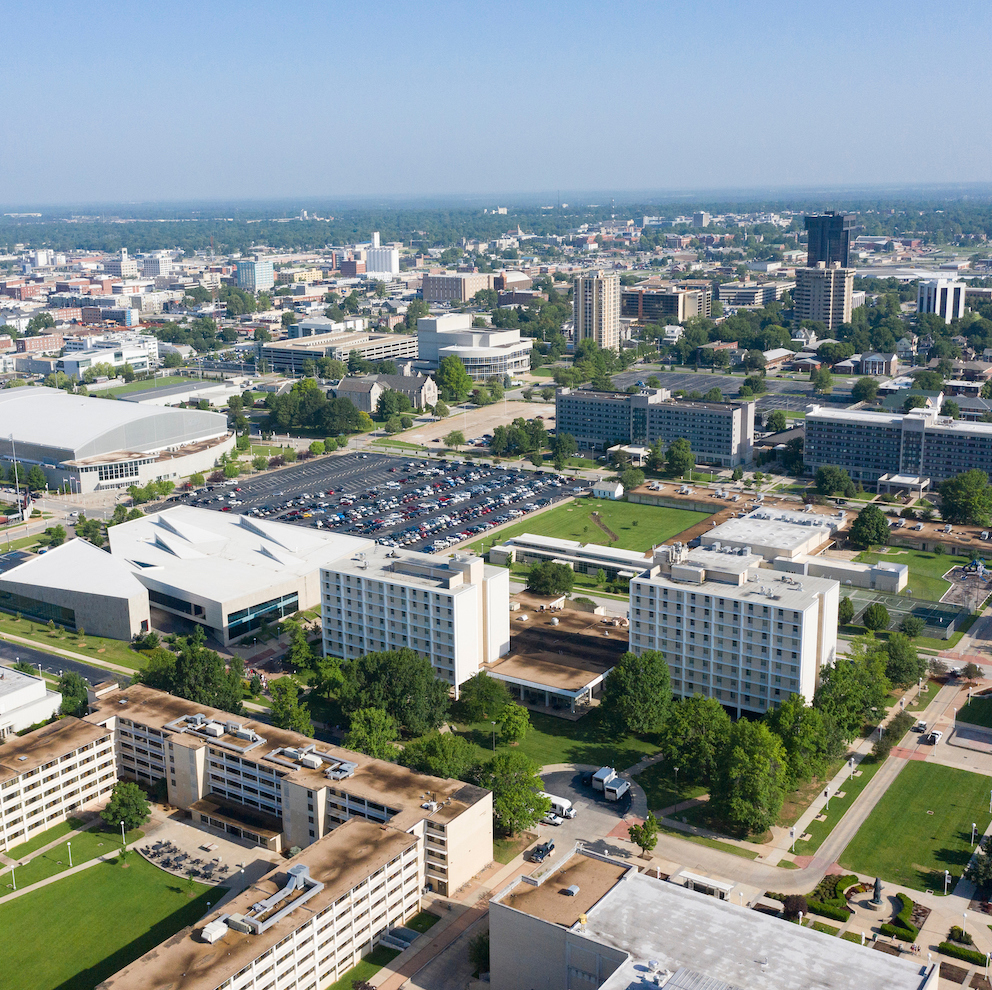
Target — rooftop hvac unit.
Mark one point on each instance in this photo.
(197, 719)
(311, 760)
(214, 729)
(233, 727)
(214, 932)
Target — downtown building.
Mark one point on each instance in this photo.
(824, 293)
(719, 432)
(256, 275)
(667, 304)
(596, 309)
(921, 447)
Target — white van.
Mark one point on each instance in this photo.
(559, 805)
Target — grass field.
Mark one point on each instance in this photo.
(921, 827)
(94, 649)
(147, 383)
(659, 788)
(49, 835)
(838, 808)
(925, 569)
(638, 527)
(557, 740)
(367, 968)
(73, 934)
(87, 845)
(397, 444)
(978, 711)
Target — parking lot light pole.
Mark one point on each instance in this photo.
(69, 844)
(974, 828)
(947, 880)
(792, 835)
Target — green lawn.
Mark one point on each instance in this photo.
(42, 839)
(367, 968)
(978, 711)
(557, 740)
(21, 543)
(86, 846)
(422, 922)
(925, 569)
(94, 923)
(94, 649)
(659, 787)
(507, 848)
(838, 808)
(268, 450)
(921, 827)
(399, 444)
(924, 698)
(148, 383)
(638, 527)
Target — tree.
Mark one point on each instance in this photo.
(73, 688)
(681, 460)
(196, 479)
(200, 675)
(645, 835)
(754, 360)
(260, 462)
(454, 439)
(852, 687)
(637, 694)
(127, 804)
(912, 626)
(514, 723)
(55, 536)
(36, 479)
(831, 480)
(950, 408)
(453, 381)
(751, 778)
(286, 711)
(905, 666)
(372, 732)
(737, 474)
(563, 446)
(440, 754)
(876, 616)
(965, 498)
(870, 528)
(822, 380)
(775, 421)
(441, 410)
(631, 478)
(929, 381)
(317, 448)
(979, 870)
(845, 611)
(793, 906)
(550, 579)
(484, 697)
(300, 654)
(478, 953)
(804, 736)
(402, 682)
(865, 389)
(517, 791)
(695, 732)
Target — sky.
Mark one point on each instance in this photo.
(168, 101)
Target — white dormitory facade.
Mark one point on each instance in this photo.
(596, 309)
(374, 836)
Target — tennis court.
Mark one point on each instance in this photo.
(940, 618)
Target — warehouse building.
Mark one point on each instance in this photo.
(92, 444)
(620, 928)
(720, 433)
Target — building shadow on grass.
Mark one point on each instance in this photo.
(185, 917)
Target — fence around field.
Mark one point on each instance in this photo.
(940, 618)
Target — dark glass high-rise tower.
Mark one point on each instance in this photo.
(829, 238)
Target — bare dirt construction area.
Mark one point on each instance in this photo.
(478, 420)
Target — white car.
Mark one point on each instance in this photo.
(552, 819)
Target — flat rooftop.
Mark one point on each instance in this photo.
(384, 783)
(24, 753)
(594, 878)
(773, 528)
(717, 940)
(13, 681)
(341, 861)
(580, 641)
(408, 567)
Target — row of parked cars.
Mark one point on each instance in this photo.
(427, 505)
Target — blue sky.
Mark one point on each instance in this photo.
(243, 100)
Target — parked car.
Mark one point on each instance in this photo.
(552, 819)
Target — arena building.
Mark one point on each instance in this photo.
(92, 444)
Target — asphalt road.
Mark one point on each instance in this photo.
(12, 652)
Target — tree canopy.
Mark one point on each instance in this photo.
(517, 801)
(966, 498)
(127, 804)
(831, 480)
(681, 460)
(551, 579)
(751, 778)
(870, 528)
(637, 694)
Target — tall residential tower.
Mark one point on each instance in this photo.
(596, 309)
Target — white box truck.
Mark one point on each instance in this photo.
(559, 805)
(607, 780)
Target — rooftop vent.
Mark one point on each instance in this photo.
(571, 890)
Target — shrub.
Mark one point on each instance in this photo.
(793, 905)
(957, 934)
(903, 927)
(959, 952)
(828, 910)
(892, 733)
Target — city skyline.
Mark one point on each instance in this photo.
(435, 100)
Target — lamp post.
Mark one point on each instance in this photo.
(494, 736)
(826, 794)
(123, 840)
(792, 835)
(947, 880)
(69, 845)
(974, 828)
(676, 790)
(964, 922)
(850, 763)
(13, 879)
(800, 919)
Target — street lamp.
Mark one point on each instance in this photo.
(123, 840)
(851, 765)
(947, 880)
(974, 828)
(826, 794)
(792, 835)
(676, 790)
(964, 922)
(69, 844)
(494, 736)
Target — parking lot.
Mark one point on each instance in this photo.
(423, 505)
